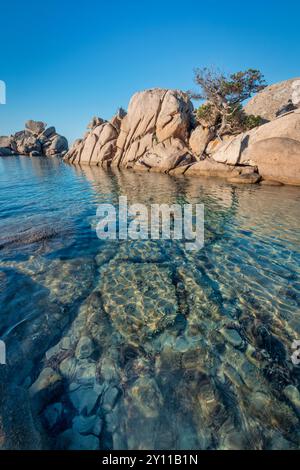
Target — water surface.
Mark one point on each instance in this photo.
(154, 346)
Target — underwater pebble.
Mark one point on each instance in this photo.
(293, 395)
(66, 343)
(232, 337)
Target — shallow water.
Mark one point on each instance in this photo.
(152, 346)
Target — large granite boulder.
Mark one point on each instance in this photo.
(273, 148)
(235, 174)
(153, 116)
(165, 156)
(98, 147)
(36, 140)
(274, 99)
(24, 142)
(56, 145)
(199, 139)
(153, 133)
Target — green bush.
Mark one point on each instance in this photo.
(251, 121)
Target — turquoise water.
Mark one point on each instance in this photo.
(149, 345)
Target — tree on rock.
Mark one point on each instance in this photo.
(224, 95)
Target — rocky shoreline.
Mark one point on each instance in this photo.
(160, 133)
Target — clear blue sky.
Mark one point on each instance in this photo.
(64, 61)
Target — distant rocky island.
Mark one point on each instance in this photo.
(161, 132)
(36, 140)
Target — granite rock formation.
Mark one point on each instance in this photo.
(159, 133)
(36, 140)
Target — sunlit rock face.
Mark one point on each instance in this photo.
(273, 99)
(153, 134)
(274, 148)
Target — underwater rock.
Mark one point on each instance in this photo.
(53, 414)
(139, 298)
(109, 399)
(232, 336)
(84, 348)
(84, 398)
(46, 388)
(293, 395)
(146, 396)
(87, 425)
(72, 440)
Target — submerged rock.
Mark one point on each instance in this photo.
(139, 298)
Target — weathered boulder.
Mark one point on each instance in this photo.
(95, 121)
(275, 97)
(47, 133)
(117, 118)
(25, 142)
(5, 141)
(277, 159)
(209, 167)
(36, 127)
(153, 116)
(56, 145)
(273, 148)
(166, 155)
(97, 148)
(153, 133)
(199, 139)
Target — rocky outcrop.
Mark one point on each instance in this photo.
(273, 148)
(153, 134)
(159, 133)
(36, 140)
(275, 99)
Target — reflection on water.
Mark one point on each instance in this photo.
(150, 346)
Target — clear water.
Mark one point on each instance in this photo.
(153, 346)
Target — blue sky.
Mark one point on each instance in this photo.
(64, 62)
